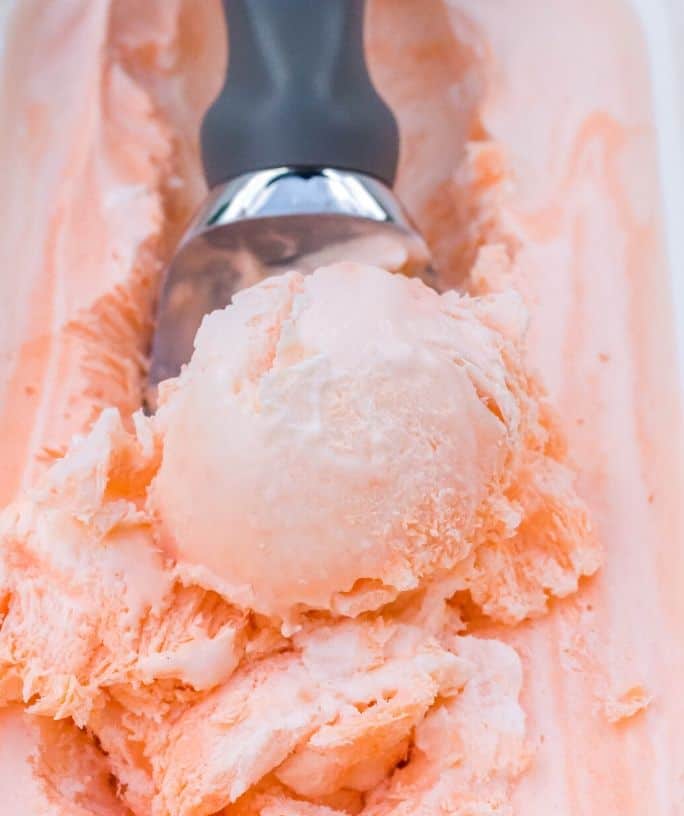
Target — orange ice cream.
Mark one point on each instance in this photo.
(268, 613)
(354, 436)
(347, 568)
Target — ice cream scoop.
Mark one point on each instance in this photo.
(299, 153)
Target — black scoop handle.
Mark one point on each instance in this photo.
(297, 93)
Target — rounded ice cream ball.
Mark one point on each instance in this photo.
(333, 440)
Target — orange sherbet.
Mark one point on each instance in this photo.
(433, 649)
(254, 588)
(340, 439)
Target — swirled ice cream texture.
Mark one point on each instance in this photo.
(250, 594)
(545, 186)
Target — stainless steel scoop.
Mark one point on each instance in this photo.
(300, 153)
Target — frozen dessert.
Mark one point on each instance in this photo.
(355, 435)
(253, 595)
(51, 768)
(174, 642)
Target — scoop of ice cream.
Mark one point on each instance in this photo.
(341, 438)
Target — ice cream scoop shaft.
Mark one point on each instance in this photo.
(297, 93)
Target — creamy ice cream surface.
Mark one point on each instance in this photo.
(381, 551)
(251, 596)
(340, 439)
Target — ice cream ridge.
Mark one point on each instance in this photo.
(255, 601)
